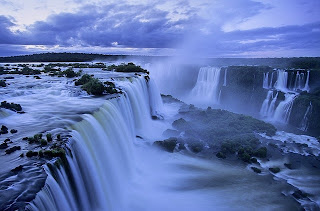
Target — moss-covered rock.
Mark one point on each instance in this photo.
(13, 131)
(261, 152)
(255, 169)
(126, 68)
(4, 145)
(49, 137)
(3, 130)
(31, 154)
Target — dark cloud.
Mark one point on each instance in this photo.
(147, 26)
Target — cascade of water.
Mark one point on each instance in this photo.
(282, 80)
(306, 86)
(102, 143)
(219, 98)
(272, 105)
(271, 79)
(282, 112)
(156, 104)
(206, 88)
(265, 80)
(305, 123)
(265, 104)
(225, 78)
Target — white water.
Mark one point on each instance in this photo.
(282, 81)
(265, 84)
(225, 77)
(305, 121)
(206, 89)
(282, 112)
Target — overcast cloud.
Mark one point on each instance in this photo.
(215, 28)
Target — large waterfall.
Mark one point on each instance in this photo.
(281, 112)
(206, 89)
(96, 174)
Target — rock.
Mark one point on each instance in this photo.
(13, 131)
(196, 147)
(257, 170)
(13, 149)
(4, 145)
(288, 165)
(17, 169)
(275, 170)
(298, 194)
(49, 137)
(2, 83)
(168, 144)
(31, 154)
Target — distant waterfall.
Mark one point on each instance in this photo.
(268, 105)
(306, 86)
(282, 80)
(97, 172)
(282, 112)
(206, 88)
(305, 121)
(265, 80)
(225, 77)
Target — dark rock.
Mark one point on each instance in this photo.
(298, 194)
(2, 83)
(288, 165)
(4, 145)
(17, 169)
(257, 170)
(275, 170)
(261, 152)
(168, 144)
(196, 147)
(13, 149)
(13, 131)
(31, 154)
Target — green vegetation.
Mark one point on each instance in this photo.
(94, 86)
(31, 154)
(49, 137)
(126, 68)
(11, 106)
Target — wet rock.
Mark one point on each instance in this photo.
(261, 152)
(13, 131)
(168, 144)
(196, 147)
(298, 194)
(13, 149)
(4, 130)
(4, 145)
(288, 165)
(2, 83)
(31, 154)
(275, 170)
(257, 170)
(17, 169)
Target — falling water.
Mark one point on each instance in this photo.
(270, 85)
(305, 121)
(282, 112)
(225, 78)
(282, 80)
(265, 80)
(265, 105)
(206, 88)
(306, 86)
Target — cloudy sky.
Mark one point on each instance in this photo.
(209, 28)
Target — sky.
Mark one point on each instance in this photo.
(202, 28)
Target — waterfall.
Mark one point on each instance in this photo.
(306, 86)
(282, 112)
(206, 88)
(305, 121)
(265, 105)
(282, 80)
(225, 78)
(265, 80)
(156, 104)
(96, 173)
(270, 85)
